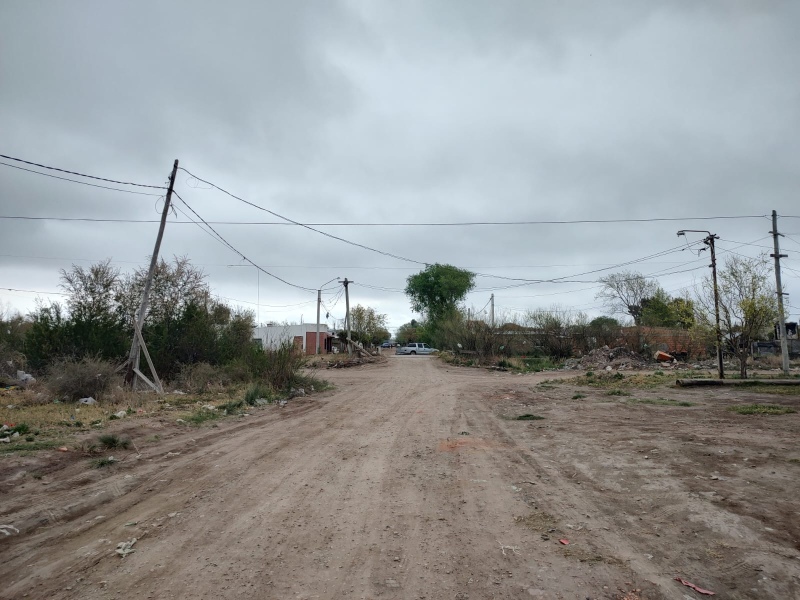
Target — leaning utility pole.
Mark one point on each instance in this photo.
(345, 283)
(781, 315)
(138, 341)
(491, 310)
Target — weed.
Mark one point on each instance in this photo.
(111, 440)
(658, 373)
(660, 402)
(29, 438)
(21, 429)
(201, 416)
(106, 461)
(617, 393)
(528, 417)
(795, 460)
(30, 447)
(72, 379)
(255, 391)
(232, 406)
(590, 373)
(578, 397)
(36, 475)
(618, 376)
(761, 409)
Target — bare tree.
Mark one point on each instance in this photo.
(747, 305)
(624, 292)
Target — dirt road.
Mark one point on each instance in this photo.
(403, 482)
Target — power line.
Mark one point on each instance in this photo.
(329, 235)
(105, 187)
(289, 222)
(35, 292)
(27, 162)
(225, 242)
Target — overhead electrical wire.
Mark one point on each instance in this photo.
(329, 235)
(28, 162)
(289, 223)
(105, 187)
(225, 242)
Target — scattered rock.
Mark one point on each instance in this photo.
(125, 548)
(121, 414)
(88, 400)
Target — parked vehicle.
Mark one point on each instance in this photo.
(386, 345)
(415, 348)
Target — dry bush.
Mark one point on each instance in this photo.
(199, 378)
(71, 379)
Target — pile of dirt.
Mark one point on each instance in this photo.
(619, 359)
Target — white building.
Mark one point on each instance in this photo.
(302, 336)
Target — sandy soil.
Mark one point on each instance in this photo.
(412, 480)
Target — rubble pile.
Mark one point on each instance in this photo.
(618, 359)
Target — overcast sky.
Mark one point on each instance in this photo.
(363, 114)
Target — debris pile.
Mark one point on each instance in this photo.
(618, 359)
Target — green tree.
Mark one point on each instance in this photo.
(367, 326)
(747, 304)
(604, 331)
(408, 332)
(436, 292)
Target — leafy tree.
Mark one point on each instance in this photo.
(747, 304)
(624, 292)
(604, 331)
(367, 326)
(409, 332)
(436, 292)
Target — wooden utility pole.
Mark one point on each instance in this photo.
(709, 241)
(345, 283)
(138, 342)
(491, 310)
(781, 315)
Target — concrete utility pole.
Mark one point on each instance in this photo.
(133, 358)
(319, 304)
(345, 283)
(781, 315)
(709, 241)
(491, 310)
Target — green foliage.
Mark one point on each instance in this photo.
(256, 391)
(659, 310)
(761, 409)
(660, 402)
(578, 397)
(747, 303)
(604, 331)
(99, 463)
(203, 415)
(367, 326)
(436, 291)
(72, 379)
(617, 393)
(110, 441)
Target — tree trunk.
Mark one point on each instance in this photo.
(743, 364)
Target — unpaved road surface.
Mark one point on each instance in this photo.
(411, 480)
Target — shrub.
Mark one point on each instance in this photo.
(199, 378)
(71, 379)
(110, 441)
(256, 391)
(278, 367)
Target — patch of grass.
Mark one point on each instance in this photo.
(761, 409)
(21, 429)
(538, 521)
(106, 461)
(111, 440)
(660, 402)
(589, 373)
(578, 397)
(776, 390)
(529, 417)
(25, 448)
(617, 393)
(795, 460)
(202, 416)
(257, 390)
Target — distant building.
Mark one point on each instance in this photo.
(304, 337)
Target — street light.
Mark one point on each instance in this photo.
(709, 241)
(319, 303)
